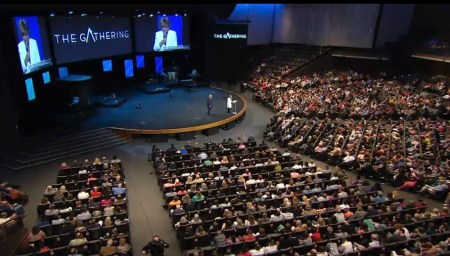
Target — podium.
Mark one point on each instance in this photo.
(234, 102)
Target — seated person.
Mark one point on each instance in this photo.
(78, 240)
(119, 189)
(440, 187)
(109, 249)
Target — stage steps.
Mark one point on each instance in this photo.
(62, 147)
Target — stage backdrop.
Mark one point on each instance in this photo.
(89, 37)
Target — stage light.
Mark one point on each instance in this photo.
(164, 15)
(143, 14)
(158, 12)
(176, 14)
(185, 15)
(151, 15)
(52, 14)
(100, 13)
(70, 12)
(139, 16)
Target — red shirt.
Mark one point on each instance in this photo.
(247, 238)
(316, 236)
(96, 193)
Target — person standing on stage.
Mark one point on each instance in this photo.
(229, 103)
(209, 103)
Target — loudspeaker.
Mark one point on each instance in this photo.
(229, 125)
(158, 138)
(185, 136)
(211, 131)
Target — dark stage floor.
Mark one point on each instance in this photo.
(186, 108)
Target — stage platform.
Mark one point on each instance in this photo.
(181, 111)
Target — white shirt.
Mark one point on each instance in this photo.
(270, 249)
(250, 182)
(348, 159)
(229, 101)
(83, 195)
(346, 247)
(171, 40)
(254, 252)
(374, 244)
(35, 57)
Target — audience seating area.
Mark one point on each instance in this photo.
(84, 209)
(390, 130)
(284, 60)
(237, 196)
(12, 212)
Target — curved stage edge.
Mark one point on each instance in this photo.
(128, 133)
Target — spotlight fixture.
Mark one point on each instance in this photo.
(100, 13)
(185, 14)
(139, 16)
(70, 12)
(151, 14)
(164, 15)
(52, 14)
(176, 14)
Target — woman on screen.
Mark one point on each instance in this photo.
(165, 37)
(28, 49)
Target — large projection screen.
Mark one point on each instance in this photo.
(83, 38)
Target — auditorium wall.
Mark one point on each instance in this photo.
(260, 17)
(395, 22)
(348, 25)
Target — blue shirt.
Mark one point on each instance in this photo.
(117, 191)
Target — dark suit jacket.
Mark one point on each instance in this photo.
(209, 102)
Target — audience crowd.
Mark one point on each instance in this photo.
(13, 200)
(391, 130)
(84, 212)
(244, 198)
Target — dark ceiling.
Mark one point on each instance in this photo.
(220, 11)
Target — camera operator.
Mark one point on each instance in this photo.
(155, 247)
